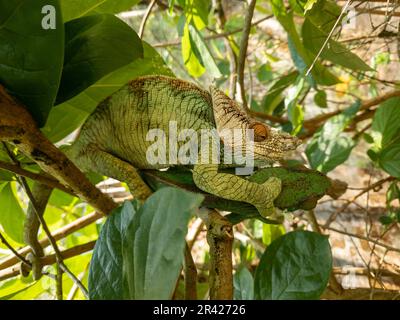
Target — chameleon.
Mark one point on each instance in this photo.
(113, 140)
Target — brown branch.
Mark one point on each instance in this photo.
(220, 239)
(57, 235)
(61, 267)
(15, 252)
(50, 259)
(48, 181)
(380, 244)
(243, 51)
(360, 294)
(19, 128)
(373, 186)
(190, 276)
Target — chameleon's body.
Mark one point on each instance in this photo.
(113, 142)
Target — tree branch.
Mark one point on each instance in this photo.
(220, 239)
(48, 181)
(145, 18)
(50, 259)
(243, 51)
(18, 127)
(57, 235)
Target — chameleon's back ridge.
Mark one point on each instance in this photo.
(121, 122)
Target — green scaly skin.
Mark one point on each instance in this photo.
(113, 142)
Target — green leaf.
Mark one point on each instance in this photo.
(272, 232)
(309, 4)
(153, 260)
(140, 251)
(295, 266)
(386, 220)
(95, 46)
(243, 285)
(72, 9)
(196, 11)
(264, 73)
(68, 116)
(324, 14)
(320, 99)
(294, 110)
(330, 147)
(393, 192)
(385, 132)
(31, 57)
(12, 216)
(301, 57)
(106, 266)
(314, 38)
(190, 54)
(274, 96)
(205, 57)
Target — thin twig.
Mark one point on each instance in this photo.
(57, 235)
(14, 271)
(383, 245)
(333, 216)
(145, 18)
(15, 252)
(177, 42)
(59, 258)
(243, 51)
(328, 37)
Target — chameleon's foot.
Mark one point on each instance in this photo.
(271, 189)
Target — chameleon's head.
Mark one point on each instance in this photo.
(268, 143)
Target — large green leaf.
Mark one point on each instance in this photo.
(314, 38)
(139, 253)
(12, 216)
(31, 56)
(243, 285)
(106, 266)
(72, 9)
(330, 147)
(295, 266)
(68, 116)
(386, 137)
(153, 260)
(95, 46)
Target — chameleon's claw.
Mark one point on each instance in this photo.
(273, 187)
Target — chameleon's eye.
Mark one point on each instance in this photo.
(261, 132)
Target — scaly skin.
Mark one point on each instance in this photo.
(113, 139)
